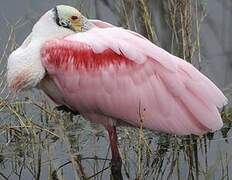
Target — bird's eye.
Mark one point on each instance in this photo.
(74, 18)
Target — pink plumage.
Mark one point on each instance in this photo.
(110, 73)
(113, 76)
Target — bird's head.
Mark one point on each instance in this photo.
(61, 21)
(70, 18)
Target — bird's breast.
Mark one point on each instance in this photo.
(24, 68)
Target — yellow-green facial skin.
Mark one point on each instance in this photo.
(68, 17)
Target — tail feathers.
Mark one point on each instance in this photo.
(204, 112)
(200, 84)
(199, 96)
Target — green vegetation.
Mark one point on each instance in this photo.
(39, 143)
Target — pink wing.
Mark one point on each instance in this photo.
(101, 24)
(113, 71)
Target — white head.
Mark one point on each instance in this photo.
(61, 21)
(24, 69)
(70, 18)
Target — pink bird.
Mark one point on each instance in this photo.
(113, 76)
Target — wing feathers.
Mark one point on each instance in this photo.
(111, 71)
(116, 38)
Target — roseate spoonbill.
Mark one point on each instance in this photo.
(108, 73)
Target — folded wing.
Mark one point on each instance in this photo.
(118, 73)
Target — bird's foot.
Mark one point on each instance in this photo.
(116, 167)
(66, 109)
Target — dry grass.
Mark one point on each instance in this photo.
(29, 140)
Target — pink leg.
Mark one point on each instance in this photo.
(116, 161)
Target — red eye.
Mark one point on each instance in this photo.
(74, 17)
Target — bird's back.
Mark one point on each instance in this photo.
(169, 94)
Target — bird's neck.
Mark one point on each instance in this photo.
(46, 29)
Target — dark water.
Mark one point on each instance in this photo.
(38, 143)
